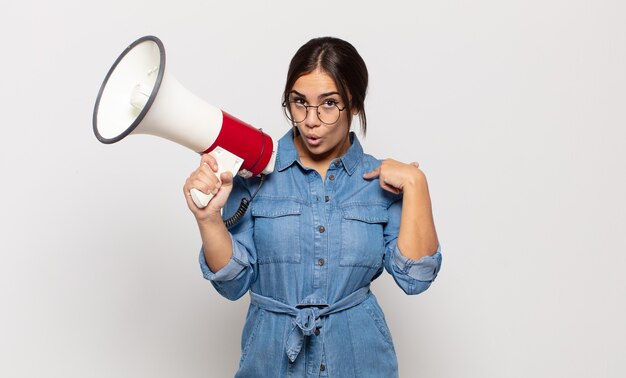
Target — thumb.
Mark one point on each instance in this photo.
(226, 178)
(226, 186)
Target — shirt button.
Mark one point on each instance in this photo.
(317, 332)
(326, 198)
(321, 262)
(331, 177)
(337, 163)
(321, 229)
(322, 367)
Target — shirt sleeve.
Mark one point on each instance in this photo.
(413, 276)
(234, 279)
(237, 264)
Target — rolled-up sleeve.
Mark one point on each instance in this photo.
(413, 276)
(238, 262)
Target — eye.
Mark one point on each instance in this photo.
(298, 101)
(329, 103)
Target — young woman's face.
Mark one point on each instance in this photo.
(319, 141)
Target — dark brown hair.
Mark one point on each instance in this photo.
(340, 60)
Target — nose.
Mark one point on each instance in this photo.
(311, 119)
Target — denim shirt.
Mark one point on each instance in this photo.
(303, 247)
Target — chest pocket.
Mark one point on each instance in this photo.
(277, 230)
(362, 241)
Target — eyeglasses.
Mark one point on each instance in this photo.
(328, 112)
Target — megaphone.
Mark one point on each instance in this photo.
(138, 96)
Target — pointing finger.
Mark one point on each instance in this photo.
(373, 174)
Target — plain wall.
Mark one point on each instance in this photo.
(514, 109)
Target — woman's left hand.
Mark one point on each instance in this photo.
(395, 176)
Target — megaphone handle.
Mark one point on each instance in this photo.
(226, 162)
(199, 198)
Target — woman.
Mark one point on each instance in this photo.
(323, 225)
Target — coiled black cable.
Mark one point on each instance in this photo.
(243, 207)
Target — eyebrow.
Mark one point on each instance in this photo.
(323, 95)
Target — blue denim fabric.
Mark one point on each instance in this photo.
(303, 246)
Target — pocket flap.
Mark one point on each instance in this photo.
(266, 208)
(366, 213)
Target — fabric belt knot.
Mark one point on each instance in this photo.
(305, 324)
(306, 319)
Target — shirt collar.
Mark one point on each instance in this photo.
(288, 155)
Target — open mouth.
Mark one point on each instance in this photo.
(313, 140)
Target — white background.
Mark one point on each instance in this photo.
(514, 109)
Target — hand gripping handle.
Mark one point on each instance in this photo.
(226, 162)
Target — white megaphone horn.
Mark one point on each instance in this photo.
(139, 97)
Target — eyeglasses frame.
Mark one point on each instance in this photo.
(306, 112)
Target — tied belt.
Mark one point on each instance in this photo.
(307, 318)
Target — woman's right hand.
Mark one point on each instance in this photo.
(205, 180)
